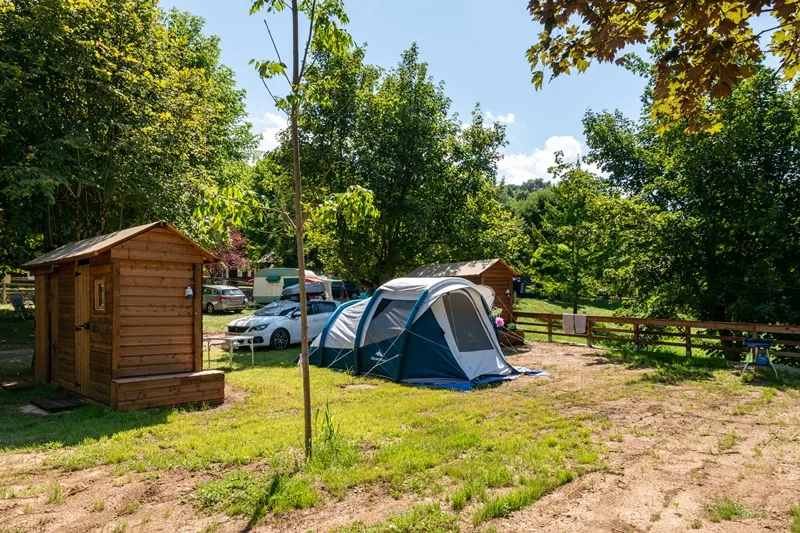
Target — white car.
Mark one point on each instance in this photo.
(278, 324)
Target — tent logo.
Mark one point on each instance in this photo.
(378, 356)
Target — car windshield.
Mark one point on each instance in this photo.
(232, 292)
(276, 309)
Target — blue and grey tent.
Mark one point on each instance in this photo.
(422, 331)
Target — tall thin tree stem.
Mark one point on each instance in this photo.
(298, 216)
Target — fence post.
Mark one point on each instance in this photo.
(688, 341)
(635, 334)
(550, 329)
(589, 332)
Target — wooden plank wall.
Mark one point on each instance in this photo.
(41, 348)
(158, 244)
(158, 391)
(83, 295)
(52, 326)
(101, 332)
(66, 325)
(156, 330)
(157, 323)
(500, 278)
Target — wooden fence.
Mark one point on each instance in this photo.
(688, 334)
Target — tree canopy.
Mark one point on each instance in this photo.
(722, 241)
(433, 182)
(112, 113)
(704, 47)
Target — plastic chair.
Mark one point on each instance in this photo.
(18, 303)
(759, 354)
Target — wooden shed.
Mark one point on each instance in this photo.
(113, 322)
(494, 273)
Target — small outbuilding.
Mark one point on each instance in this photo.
(494, 273)
(118, 319)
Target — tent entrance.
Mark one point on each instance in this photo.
(469, 335)
(382, 343)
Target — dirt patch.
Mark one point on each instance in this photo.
(672, 451)
(357, 386)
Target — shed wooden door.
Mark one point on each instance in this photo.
(83, 293)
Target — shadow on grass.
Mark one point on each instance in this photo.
(13, 331)
(21, 431)
(669, 368)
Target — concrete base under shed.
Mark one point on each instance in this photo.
(164, 390)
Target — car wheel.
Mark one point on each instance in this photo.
(210, 308)
(280, 339)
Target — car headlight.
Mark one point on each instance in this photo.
(258, 328)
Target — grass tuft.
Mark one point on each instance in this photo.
(504, 505)
(421, 519)
(728, 441)
(727, 509)
(253, 494)
(794, 513)
(97, 507)
(129, 508)
(55, 494)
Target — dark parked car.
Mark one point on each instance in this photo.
(350, 287)
(525, 288)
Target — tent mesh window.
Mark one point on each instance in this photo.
(389, 320)
(465, 323)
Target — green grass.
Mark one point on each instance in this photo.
(421, 519)
(413, 440)
(129, 508)
(728, 441)
(254, 494)
(217, 322)
(794, 514)
(727, 509)
(13, 331)
(55, 494)
(585, 306)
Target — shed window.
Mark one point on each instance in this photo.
(99, 294)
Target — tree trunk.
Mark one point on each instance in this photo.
(298, 222)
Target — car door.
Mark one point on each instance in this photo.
(322, 313)
(293, 324)
(314, 327)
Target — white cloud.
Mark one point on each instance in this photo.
(269, 136)
(503, 119)
(507, 119)
(518, 168)
(491, 118)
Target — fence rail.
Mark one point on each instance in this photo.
(652, 332)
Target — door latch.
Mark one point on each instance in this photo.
(79, 327)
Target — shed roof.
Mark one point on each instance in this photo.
(465, 268)
(97, 245)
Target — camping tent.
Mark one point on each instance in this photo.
(425, 331)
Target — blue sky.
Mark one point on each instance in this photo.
(476, 48)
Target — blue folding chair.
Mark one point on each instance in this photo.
(18, 303)
(759, 354)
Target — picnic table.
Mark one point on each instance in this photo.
(232, 341)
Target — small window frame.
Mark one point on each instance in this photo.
(99, 296)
